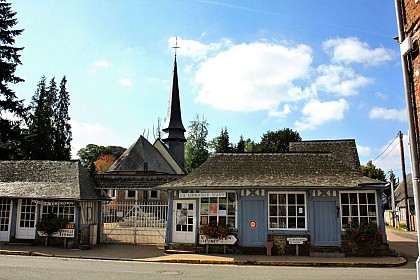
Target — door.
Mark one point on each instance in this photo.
(253, 223)
(326, 232)
(184, 221)
(26, 220)
(5, 218)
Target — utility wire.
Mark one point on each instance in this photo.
(396, 144)
(386, 148)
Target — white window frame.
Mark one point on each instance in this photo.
(59, 211)
(217, 215)
(113, 193)
(149, 195)
(131, 197)
(358, 204)
(287, 210)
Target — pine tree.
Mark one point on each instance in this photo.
(221, 143)
(62, 127)
(41, 125)
(240, 147)
(10, 106)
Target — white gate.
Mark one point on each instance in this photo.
(134, 222)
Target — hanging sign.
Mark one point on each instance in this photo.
(252, 224)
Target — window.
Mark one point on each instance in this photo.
(215, 210)
(113, 193)
(358, 206)
(130, 194)
(154, 194)
(287, 210)
(60, 209)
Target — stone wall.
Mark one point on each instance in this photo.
(282, 247)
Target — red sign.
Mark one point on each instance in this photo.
(252, 224)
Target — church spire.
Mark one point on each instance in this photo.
(174, 129)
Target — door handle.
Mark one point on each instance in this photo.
(338, 212)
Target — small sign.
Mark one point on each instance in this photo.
(61, 233)
(230, 240)
(252, 224)
(200, 195)
(296, 240)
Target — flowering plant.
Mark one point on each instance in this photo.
(363, 233)
(216, 231)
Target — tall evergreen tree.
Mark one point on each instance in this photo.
(41, 123)
(240, 147)
(278, 141)
(10, 106)
(221, 143)
(62, 127)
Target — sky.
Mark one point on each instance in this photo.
(328, 69)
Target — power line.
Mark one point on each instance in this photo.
(386, 154)
(386, 148)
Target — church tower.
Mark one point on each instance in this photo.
(173, 128)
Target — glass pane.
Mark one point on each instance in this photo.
(213, 199)
(354, 211)
(363, 220)
(300, 199)
(273, 210)
(231, 197)
(282, 211)
(363, 210)
(301, 211)
(353, 198)
(371, 198)
(292, 210)
(178, 227)
(212, 220)
(372, 210)
(231, 221)
(362, 198)
(282, 223)
(292, 222)
(184, 227)
(273, 198)
(231, 209)
(190, 220)
(346, 210)
(273, 223)
(344, 222)
(222, 200)
(205, 200)
(190, 206)
(344, 198)
(301, 223)
(282, 199)
(222, 207)
(190, 228)
(292, 198)
(222, 220)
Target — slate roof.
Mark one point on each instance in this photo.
(45, 179)
(141, 151)
(400, 193)
(321, 168)
(132, 182)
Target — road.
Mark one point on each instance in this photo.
(404, 243)
(42, 268)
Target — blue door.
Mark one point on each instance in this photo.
(253, 224)
(326, 232)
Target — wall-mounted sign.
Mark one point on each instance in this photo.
(200, 195)
(230, 240)
(51, 203)
(296, 240)
(252, 224)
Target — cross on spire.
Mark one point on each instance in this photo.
(176, 45)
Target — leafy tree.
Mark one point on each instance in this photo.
(250, 146)
(12, 110)
(371, 171)
(221, 143)
(116, 151)
(196, 148)
(103, 163)
(62, 127)
(278, 141)
(91, 153)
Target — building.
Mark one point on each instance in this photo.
(31, 189)
(309, 194)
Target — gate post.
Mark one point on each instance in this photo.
(135, 222)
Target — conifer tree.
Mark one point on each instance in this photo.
(62, 127)
(10, 106)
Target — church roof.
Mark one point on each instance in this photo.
(44, 179)
(299, 169)
(141, 157)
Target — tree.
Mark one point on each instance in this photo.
(371, 171)
(278, 141)
(91, 153)
(250, 146)
(221, 143)
(62, 127)
(196, 148)
(41, 121)
(103, 163)
(12, 110)
(240, 147)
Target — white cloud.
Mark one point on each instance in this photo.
(340, 80)
(388, 114)
(125, 82)
(100, 64)
(256, 76)
(364, 150)
(352, 50)
(196, 49)
(86, 133)
(280, 114)
(316, 113)
(390, 158)
(381, 95)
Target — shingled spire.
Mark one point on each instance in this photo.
(174, 129)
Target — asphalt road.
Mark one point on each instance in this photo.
(42, 268)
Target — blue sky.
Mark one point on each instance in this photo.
(328, 69)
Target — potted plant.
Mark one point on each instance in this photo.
(363, 236)
(215, 231)
(50, 224)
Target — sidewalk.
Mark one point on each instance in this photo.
(156, 254)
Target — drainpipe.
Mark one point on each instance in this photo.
(411, 127)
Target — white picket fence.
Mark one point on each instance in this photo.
(134, 223)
